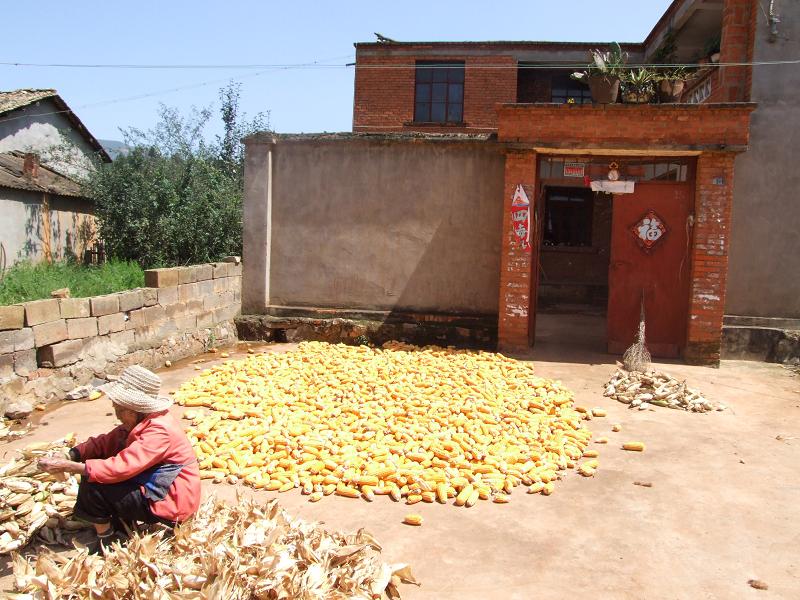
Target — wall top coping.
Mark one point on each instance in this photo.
(410, 136)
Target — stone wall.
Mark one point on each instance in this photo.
(48, 347)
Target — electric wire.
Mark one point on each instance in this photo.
(444, 65)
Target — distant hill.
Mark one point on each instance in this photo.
(114, 148)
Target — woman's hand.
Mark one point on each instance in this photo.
(60, 465)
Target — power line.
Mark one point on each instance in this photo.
(315, 63)
(320, 65)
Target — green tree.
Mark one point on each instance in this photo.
(176, 196)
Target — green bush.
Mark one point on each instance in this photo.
(175, 198)
(26, 281)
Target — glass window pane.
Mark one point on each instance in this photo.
(438, 112)
(423, 92)
(559, 92)
(454, 113)
(455, 92)
(440, 74)
(422, 112)
(424, 74)
(456, 75)
(439, 93)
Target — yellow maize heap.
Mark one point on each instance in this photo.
(422, 424)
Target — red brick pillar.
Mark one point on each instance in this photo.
(736, 46)
(515, 263)
(709, 257)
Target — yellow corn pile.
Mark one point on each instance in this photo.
(427, 425)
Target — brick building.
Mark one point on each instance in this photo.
(481, 186)
(679, 156)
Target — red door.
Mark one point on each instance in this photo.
(650, 259)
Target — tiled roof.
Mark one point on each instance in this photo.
(18, 98)
(48, 181)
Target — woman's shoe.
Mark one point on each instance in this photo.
(104, 541)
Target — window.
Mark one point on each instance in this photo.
(439, 95)
(568, 217)
(563, 89)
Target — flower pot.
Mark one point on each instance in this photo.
(637, 96)
(670, 90)
(604, 89)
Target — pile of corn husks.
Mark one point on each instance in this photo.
(654, 388)
(424, 424)
(8, 434)
(245, 551)
(34, 502)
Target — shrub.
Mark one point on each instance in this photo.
(175, 198)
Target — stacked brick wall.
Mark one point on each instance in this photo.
(713, 199)
(384, 92)
(649, 126)
(47, 347)
(515, 263)
(738, 37)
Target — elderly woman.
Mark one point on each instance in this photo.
(142, 470)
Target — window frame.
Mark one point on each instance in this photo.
(454, 75)
(582, 94)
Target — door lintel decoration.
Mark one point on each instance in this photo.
(649, 230)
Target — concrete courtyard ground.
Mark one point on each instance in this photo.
(723, 507)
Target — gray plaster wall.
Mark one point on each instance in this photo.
(23, 232)
(41, 128)
(764, 259)
(376, 225)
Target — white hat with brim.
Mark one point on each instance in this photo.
(137, 389)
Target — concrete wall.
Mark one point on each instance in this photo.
(374, 224)
(48, 347)
(27, 232)
(36, 128)
(764, 269)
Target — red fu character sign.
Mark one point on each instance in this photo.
(521, 218)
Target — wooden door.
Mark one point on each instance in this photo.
(650, 258)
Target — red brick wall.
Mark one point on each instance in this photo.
(738, 37)
(651, 126)
(709, 256)
(515, 263)
(384, 97)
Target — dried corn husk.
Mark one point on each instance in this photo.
(8, 434)
(240, 551)
(31, 500)
(400, 420)
(655, 388)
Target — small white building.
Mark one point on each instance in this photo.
(44, 150)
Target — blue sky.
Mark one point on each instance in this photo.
(250, 32)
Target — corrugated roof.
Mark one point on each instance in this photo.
(48, 181)
(18, 98)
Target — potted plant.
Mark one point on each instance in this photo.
(602, 75)
(671, 84)
(638, 87)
